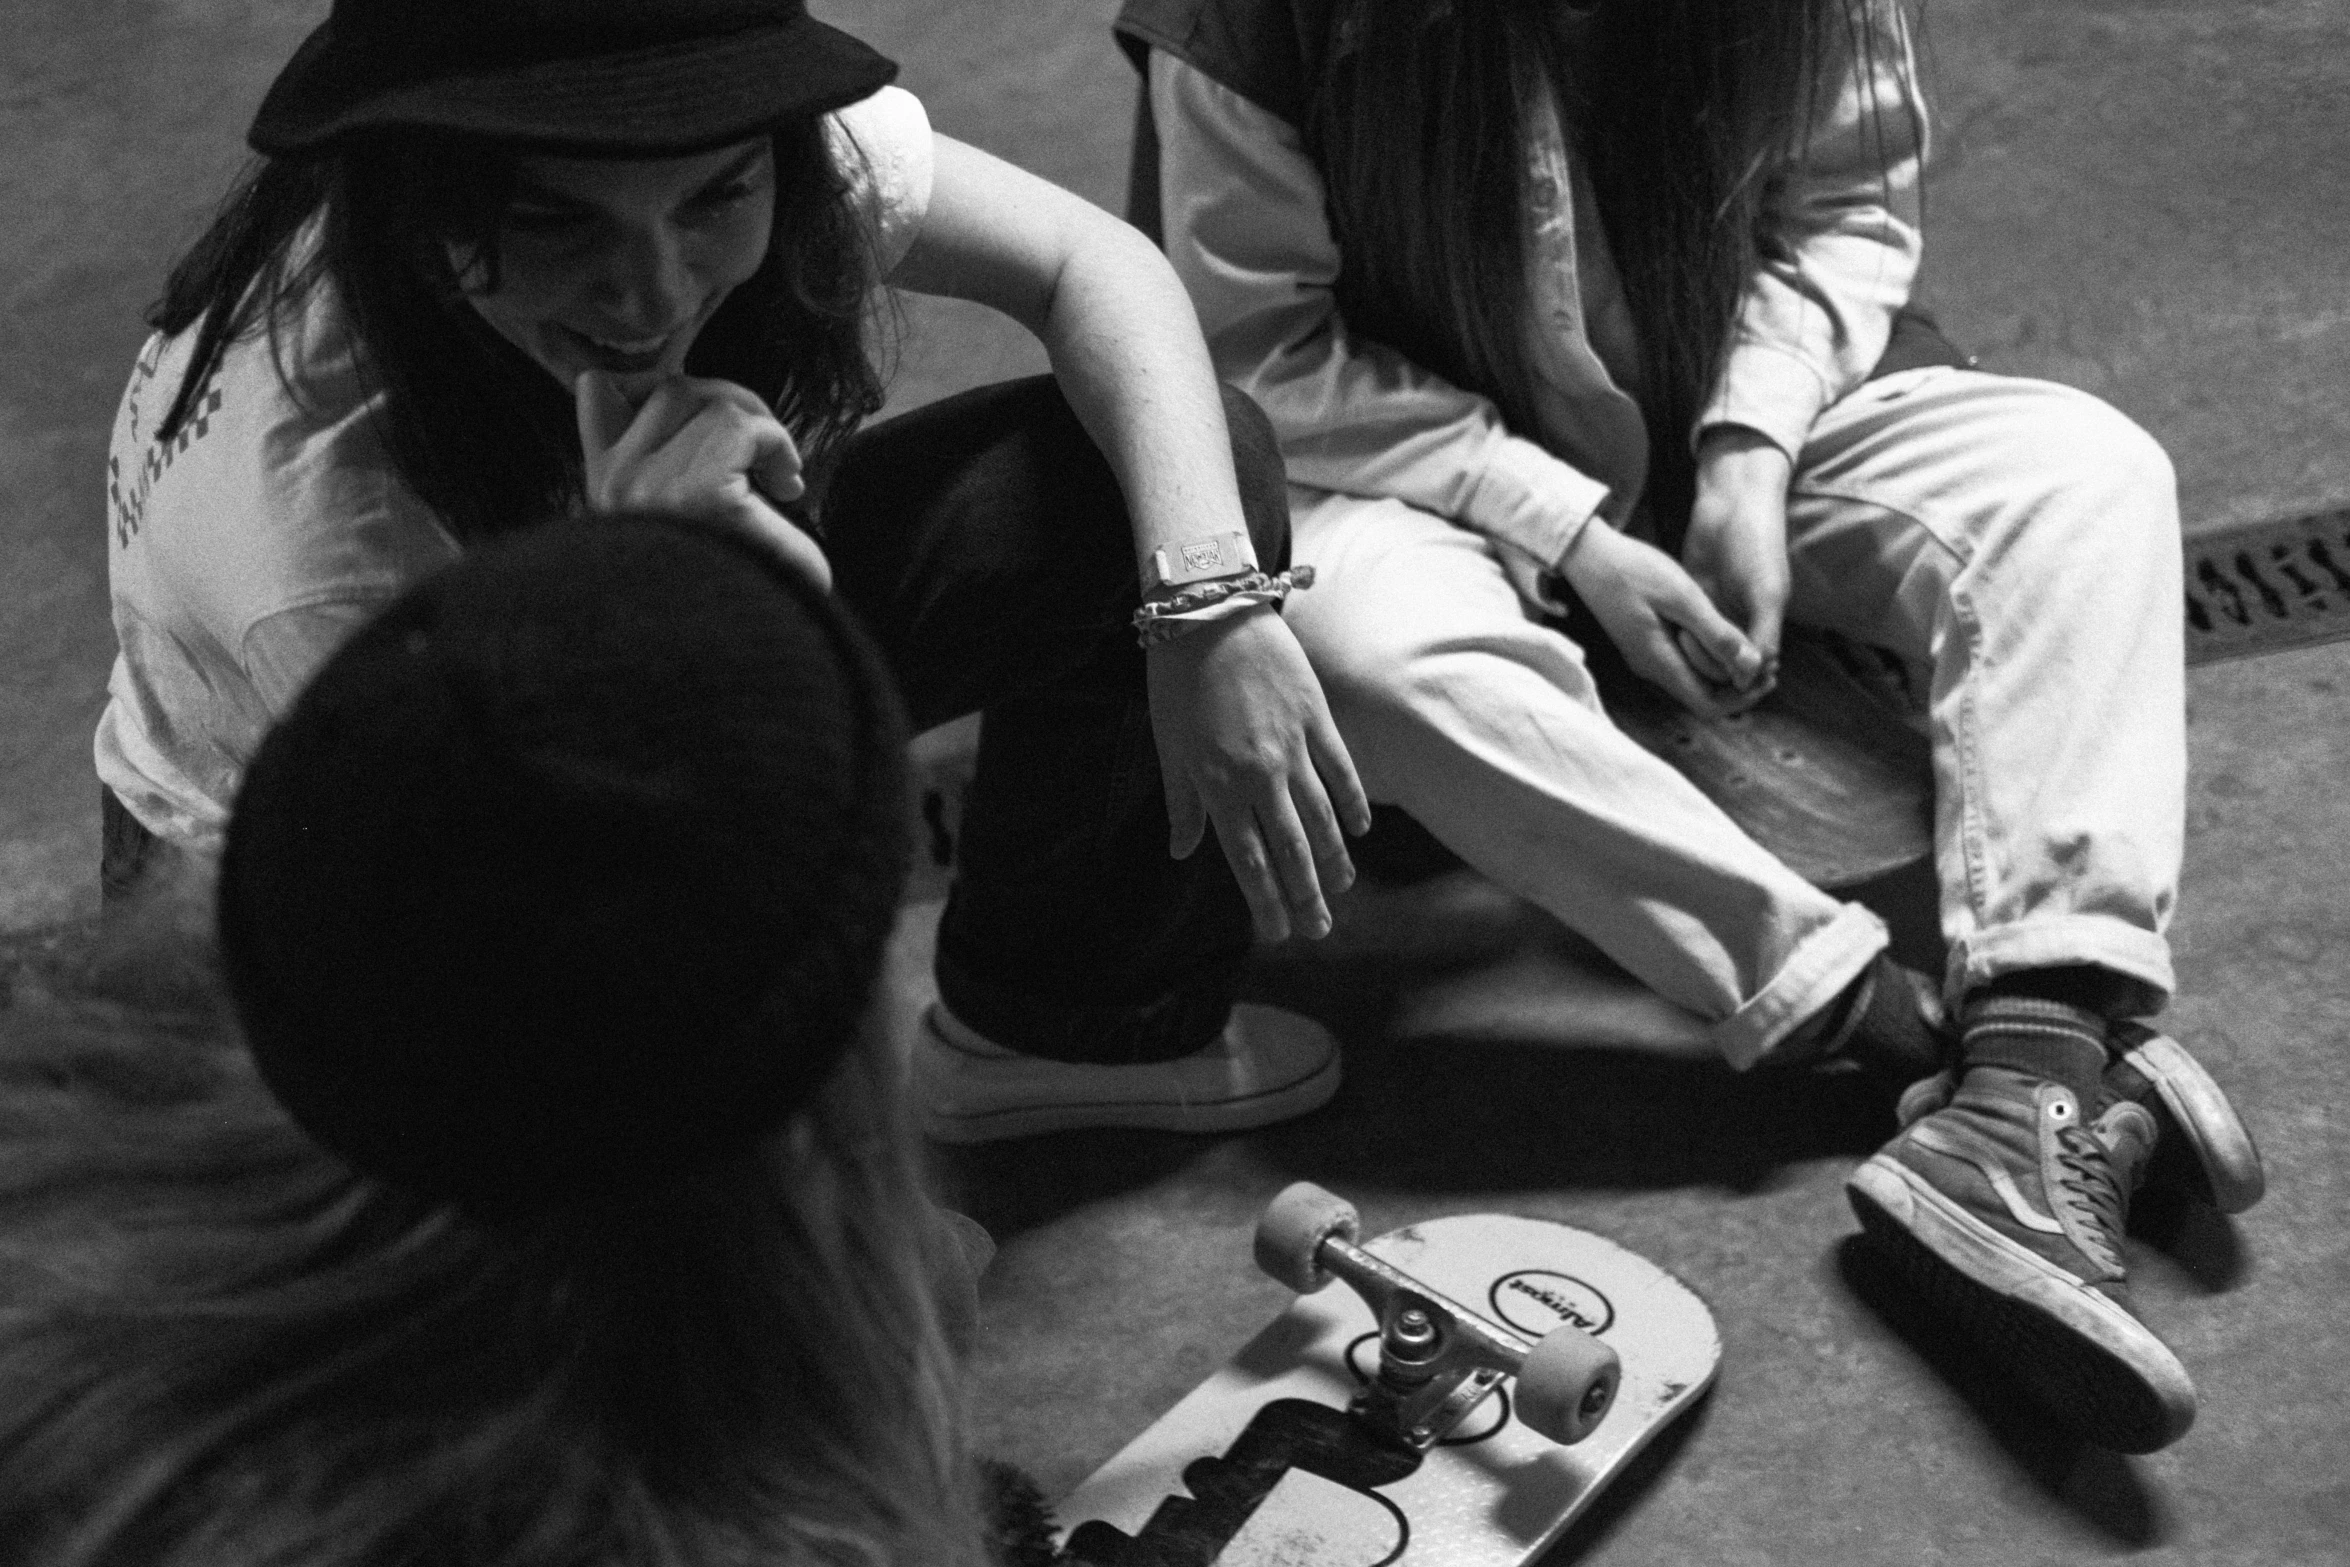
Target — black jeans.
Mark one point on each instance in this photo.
(986, 544)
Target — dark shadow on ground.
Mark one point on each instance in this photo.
(1436, 1116)
(2204, 1243)
(1470, 1116)
(2107, 1491)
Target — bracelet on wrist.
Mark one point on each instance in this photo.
(1210, 557)
(1187, 609)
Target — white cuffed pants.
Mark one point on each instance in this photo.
(2015, 539)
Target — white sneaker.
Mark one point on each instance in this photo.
(1267, 1066)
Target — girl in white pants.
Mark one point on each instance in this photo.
(1601, 295)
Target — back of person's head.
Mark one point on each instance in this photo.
(563, 1210)
(622, 797)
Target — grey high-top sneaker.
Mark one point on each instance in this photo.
(2006, 1207)
(2203, 1148)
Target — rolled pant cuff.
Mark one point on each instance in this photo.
(1828, 960)
(1171, 1026)
(2062, 941)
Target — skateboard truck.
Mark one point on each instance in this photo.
(1438, 1359)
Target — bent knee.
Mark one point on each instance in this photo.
(2084, 446)
(2100, 510)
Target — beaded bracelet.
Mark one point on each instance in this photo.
(1163, 620)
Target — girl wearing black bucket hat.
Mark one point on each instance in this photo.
(563, 1206)
(506, 260)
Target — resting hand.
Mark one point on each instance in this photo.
(1660, 619)
(1246, 741)
(700, 448)
(1737, 544)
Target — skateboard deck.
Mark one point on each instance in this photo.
(1831, 772)
(1262, 1465)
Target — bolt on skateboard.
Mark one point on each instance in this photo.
(1480, 1379)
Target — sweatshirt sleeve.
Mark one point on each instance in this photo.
(1247, 230)
(1842, 243)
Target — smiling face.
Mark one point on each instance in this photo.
(616, 265)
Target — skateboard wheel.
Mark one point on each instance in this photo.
(1291, 1232)
(1567, 1384)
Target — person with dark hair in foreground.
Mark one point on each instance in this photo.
(502, 261)
(556, 1200)
(1599, 307)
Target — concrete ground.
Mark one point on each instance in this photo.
(2146, 198)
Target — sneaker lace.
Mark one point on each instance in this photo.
(2092, 1189)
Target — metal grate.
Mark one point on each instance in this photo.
(2260, 587)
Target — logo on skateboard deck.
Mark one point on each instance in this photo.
(1536, 1300)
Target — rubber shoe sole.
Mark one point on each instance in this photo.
(1039, 1096)
(2204, 1144)
(2081, 1355)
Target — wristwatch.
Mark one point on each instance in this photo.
(1198, 560)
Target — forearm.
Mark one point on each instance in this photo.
(1113, 320)
(1125, 345)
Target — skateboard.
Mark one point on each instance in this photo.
(1831, 772)
(1450, 1394)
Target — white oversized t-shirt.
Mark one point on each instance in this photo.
(272, 525)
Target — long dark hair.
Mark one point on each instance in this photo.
(475, 428)
(1683, 111)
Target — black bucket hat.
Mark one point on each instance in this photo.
(613, 78)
